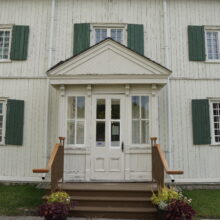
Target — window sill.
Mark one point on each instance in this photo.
(213, 61)
(215, 145)
(5, 61)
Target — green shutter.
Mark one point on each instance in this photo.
(136, 38)
(196, 40)
(201, 122)
(81, 37)
(14, 122)
(19, 44)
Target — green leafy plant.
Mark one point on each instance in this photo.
(61, 197)
(58, 206)
(165, 195)
(173, 203)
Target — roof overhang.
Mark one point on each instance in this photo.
(108, 63)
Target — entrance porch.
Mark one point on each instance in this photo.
(108, 110)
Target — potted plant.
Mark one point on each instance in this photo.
(172, 205)
(56, 207)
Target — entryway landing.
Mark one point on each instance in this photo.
(116, 186)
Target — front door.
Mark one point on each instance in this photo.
(107, 153)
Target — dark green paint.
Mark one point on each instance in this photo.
(196, 41)
(81, 37)
(14, 122)
(19, 44)
(201, 122)
(136, 38)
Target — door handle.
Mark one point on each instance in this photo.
(122, 146)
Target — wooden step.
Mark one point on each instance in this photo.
(115, 212)
(112, 201)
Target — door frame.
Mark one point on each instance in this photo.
(108, 148)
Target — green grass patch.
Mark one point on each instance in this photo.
(19, 199)
(205, 202)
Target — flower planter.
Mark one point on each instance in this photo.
(162, 213)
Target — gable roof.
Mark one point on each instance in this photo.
(106, 39)
(108, 62)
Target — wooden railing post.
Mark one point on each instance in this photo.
(159, 164)
(55, 165)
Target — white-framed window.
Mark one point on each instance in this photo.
(101, 32)
(140, 119)
(215, 121)
(76, 120)
(2, 120)
(212, 37)
(5, 43)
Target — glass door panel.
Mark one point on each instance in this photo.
(115, 122)
(100, 122)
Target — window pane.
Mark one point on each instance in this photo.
(80, 132)
(1, 108)
(135, 107)
(100, 133)
(71, 107)
(116, 34)
(100, 109)
(4, 44)
(144, 107)
(80, 107)
(100, 34)
(115, 134)
(136, 132)
(71, 133)
(144, 132)
(212, 45)
(115, 110)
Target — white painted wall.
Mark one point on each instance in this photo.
(18, 161)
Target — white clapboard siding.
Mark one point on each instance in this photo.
(148, 13)
(182, 14)
(197, 161)
(35, 14)
(18, 161)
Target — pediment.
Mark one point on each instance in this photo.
(109, 58)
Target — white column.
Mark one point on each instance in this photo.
(88, 109)
(62, 112)
(154, 113)
(126, 132)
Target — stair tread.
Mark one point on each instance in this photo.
(108, 186)
(103, 198)
(114, 209)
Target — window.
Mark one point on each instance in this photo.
(212, 45)
(5, 43)
(117, 33)
(140, 119)
(76, 120)
(215, 121)
(2, 119)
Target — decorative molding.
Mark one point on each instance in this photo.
(62, 90)
(154, 88)
(127, 90)
(89, 90)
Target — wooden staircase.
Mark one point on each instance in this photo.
(112, 200)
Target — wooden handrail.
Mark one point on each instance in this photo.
(164, 162)
(55, 164)
(160, 165)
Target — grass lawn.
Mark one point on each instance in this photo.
(19, 199)
(205, 202)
